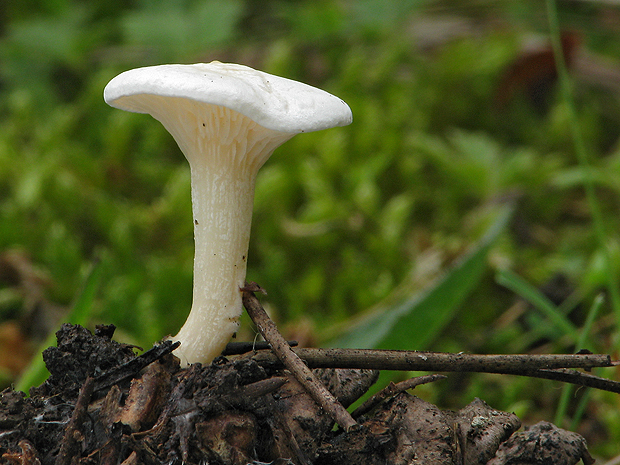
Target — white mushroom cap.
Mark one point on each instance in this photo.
(273, 102)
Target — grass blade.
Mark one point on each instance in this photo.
(582, 155)
(80, 314)
(568, 389)
(415, 320)
(527, 292)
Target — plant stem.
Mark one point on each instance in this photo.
(580, 150)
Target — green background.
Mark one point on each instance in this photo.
(440, 219)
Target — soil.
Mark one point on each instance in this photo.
(103, 404)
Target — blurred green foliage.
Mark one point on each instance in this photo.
(345, 219)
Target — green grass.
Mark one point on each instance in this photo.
(581, 151)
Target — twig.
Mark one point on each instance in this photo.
(573, 377)
(237, 348)
(435, 361)
(537, 366)
(129, 369)
(291, 361)
(391, 390)
(69, 446)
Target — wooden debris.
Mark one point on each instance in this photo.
(302, 373)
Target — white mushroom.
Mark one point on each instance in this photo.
(227, 120)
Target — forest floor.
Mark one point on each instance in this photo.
(102, 404)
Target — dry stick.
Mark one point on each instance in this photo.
(536, 366)
(573, 377)
(436, 361)
(238, 348)
(70, 445)
(129, 369)
(291, 361)
(391, 390)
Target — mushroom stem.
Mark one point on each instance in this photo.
(225, 155)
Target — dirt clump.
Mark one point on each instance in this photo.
(103, 404)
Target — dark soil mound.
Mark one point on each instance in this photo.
(103, 404)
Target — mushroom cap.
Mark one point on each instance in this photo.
(273, 102)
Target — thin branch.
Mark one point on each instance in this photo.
(573, 377)
(73, 437)
(436, 361)
(129, 369)
(391, 390)
(236, 348)
(552, 367)
(292, 362)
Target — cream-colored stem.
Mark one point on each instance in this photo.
(225, 151)
(222, 207)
